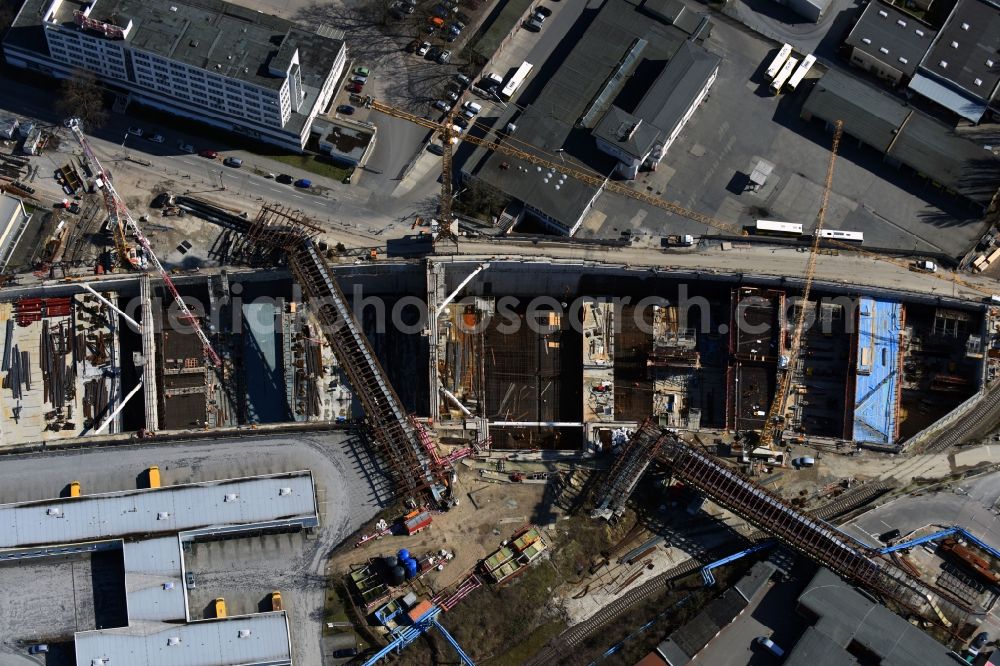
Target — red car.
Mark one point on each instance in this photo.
(355, 87)
(210, 154)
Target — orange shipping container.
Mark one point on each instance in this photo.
(420, 610)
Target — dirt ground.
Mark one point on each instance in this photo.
(472, 530)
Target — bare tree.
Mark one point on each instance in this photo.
(81, 96)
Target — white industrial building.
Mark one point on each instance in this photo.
(151, 527)
(13, 221)
(209, 60)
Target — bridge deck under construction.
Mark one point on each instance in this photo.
(393, 433)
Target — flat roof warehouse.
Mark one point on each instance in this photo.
(159, 629)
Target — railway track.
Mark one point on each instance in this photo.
(569, 639)
(988, 408)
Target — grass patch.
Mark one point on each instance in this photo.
(316, 164)
(530, 645)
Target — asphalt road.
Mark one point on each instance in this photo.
(970, 504)
(344, 492)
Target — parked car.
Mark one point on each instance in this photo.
(234, 162)
(355, 87)
(440, 11)
(157, 138)
(41, 648)
(435, 148)
(455, 29)
(444, 57)
(980, 640)
(926, 266)
(442, 105)
(74, 208)
(433, 53)
(451, 37)
(886, 537)
(470, 109)
(533, 25)
(210, 154)
(346, 109)
(135, 130)
(462, 122)
(452, 95)
(185, 147)
(189, 578)
(284, 179)
(804, 461)
(423, 49)
(304, 183)
(362, 71)
(769, 645)
(538, 17)
(463, 80)
(359, 79)
(542, 10)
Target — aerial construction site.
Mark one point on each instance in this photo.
(254, 429)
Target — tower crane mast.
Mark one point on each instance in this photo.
(123, 221)
(786, 366)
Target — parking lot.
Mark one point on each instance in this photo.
(242, 570)
(707, 165)
(45, 601)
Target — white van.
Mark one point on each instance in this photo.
(769, 645)
(927, 266)
(472, 108)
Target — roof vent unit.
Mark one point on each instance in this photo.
(965, 26)
(866, 40)
(884, 50)
(920, 33)
(98, 662)
(163, 515)
(284, 491)
(244, 633)
(989, 63)
(193, 43)
(954, 45)
(168, 586)
(232, 497)
(903, 60)
(883, 13)
(978, 82)
(54, 511)
(944, 64)
(901, 23)
(173, 8)
(174, 640)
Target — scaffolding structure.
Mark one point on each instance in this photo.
(810, 536)
(628, 468)
(393, 434)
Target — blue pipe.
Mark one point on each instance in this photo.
(706, 571)
(458, 648)
(925, 539)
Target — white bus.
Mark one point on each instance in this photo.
(779, 60)
(801, 72)
(515, 81)
(775, 228)
(786, 71)
(848, 236)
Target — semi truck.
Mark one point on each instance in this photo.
(685, 240)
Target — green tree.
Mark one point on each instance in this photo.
(81, 96)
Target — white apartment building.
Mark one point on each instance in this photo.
(209, 60)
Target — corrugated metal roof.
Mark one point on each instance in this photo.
(933, 149)
(205, 643)
(157, 511)
(868, 114)
(880, 325)
(948, 98)
(154, 588)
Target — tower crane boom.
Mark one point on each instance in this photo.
(122, 221)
